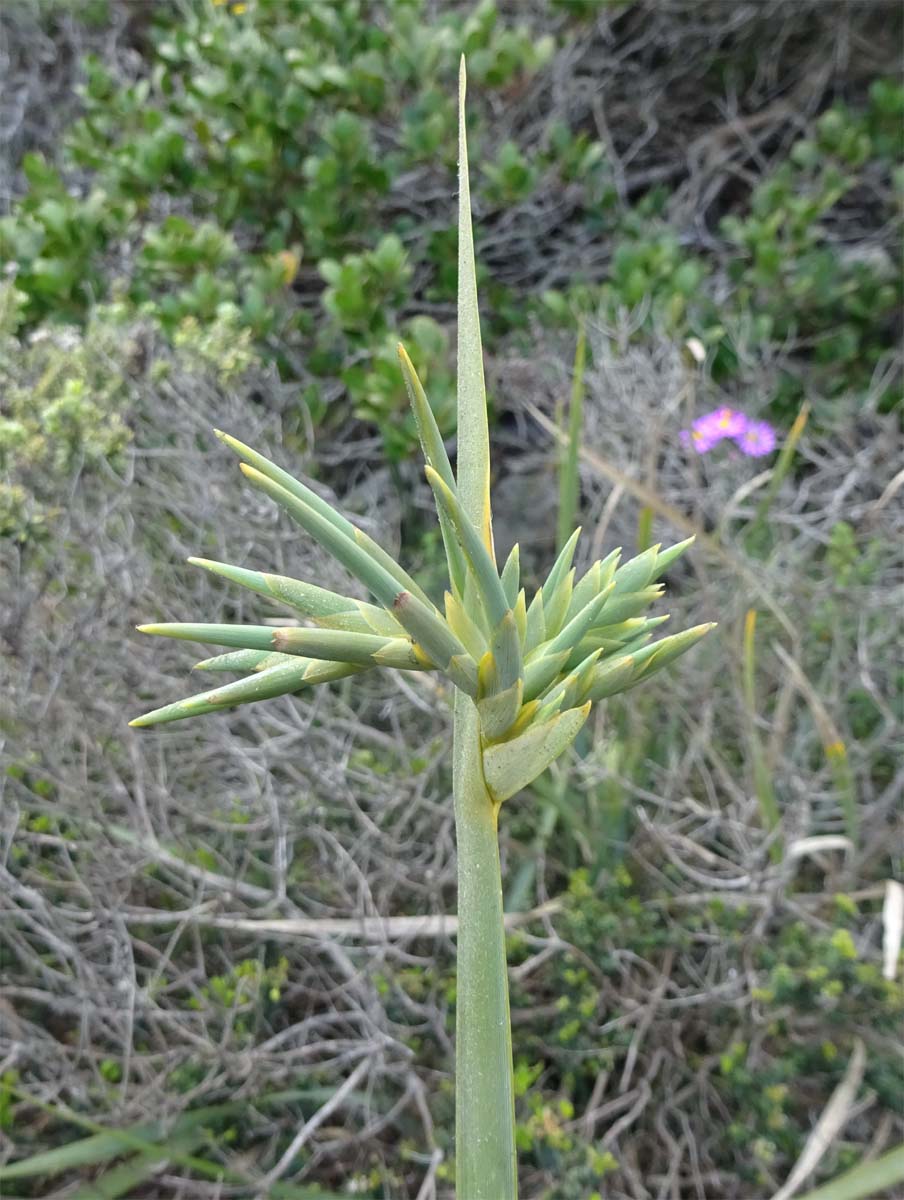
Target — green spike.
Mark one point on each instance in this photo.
(436, 457)
(535, 632)
(659, 654)
(611, 676)
(569, 690)
(637, 572)
(562, 564)
(556, 604)
(362, 649)
(483, 568)
(506, 650)
(665, 558)
(432, 633)
(569, 636)
(520, 612)
(584, 590)
(499, 711)
(242, 660)
(324, 510)
(511, 765)
(420, 620)
(306, 598)
(511, 576)
(464, 627)
(280, 680)
(540, 672)
(246, 637)
(622, 606)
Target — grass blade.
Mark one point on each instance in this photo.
(473, 437)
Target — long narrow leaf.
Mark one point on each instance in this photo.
(309, 497)
(473, 437)
(569, 477)
(277, 681)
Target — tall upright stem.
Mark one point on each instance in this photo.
(484, 1095)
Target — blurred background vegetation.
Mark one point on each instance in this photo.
(228, 214)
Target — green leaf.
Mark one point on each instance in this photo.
(436, 457)
(511, 576)
(325, 511)
(325, 607)
(473, 438)
(242, 660)
(280, 680)
(511, 765)
(362, 649)
(864, 1181)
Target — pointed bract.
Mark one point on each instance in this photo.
(511, 765)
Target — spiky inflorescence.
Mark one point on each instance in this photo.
(532, 670)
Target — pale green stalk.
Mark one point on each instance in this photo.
(762, 777)
(484, 1091)
(569, 477)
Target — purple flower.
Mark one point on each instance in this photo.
(713, 427)
(757, 439)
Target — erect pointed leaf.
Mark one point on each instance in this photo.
(325, 511)
(540, 672)
(571, 634)
(569, 477)
(432, 633)
(247, 637)
(465, 628)
(535, 633)
(420, 620)
(657, 655)
(511, 575)
(520, 611)
(622, 606)
(362, 649)
(560, 567)
(436, 457)
(506, 650)
(485, 573)
(242, 660)
(611, 676)
(473, 438)
(329, 608)
(665, 558)
(635, 574)
(499, 711)
(584, 590)
(556, 605)
(511, 765)
(277, 681)
(620, 638)
(574, 688)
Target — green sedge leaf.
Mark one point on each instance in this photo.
(511, 576)
(637, 572)
(362, 649)
(473, 437)
(511, 765)
(436, 457)
(611, 676)
(280, 680)
(484, 569)
(316, 602)
(540, 672)
(560, 567)
(556, 604)
(242, 660)
(665, 558)
(499, 711)
(622, 606)
(325, 511)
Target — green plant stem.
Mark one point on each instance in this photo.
(484, 1092)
